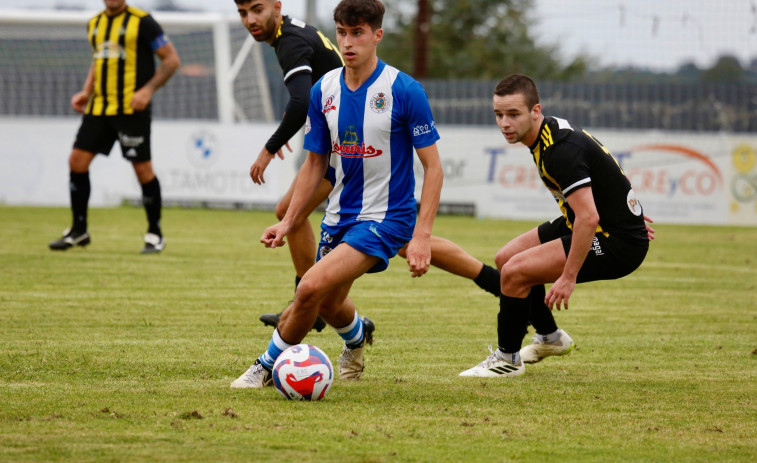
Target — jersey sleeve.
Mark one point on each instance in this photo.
(418, 117)
(152, 34)
(317, 135)
(295, 56)
(567, 166)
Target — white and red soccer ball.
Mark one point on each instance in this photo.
(303, 372)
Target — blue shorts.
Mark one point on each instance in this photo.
(380, 239)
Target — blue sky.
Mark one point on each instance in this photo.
(657, 34)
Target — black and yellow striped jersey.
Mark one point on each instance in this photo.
(569, 158)
(123, 52)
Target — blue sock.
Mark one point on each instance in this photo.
(275, 348)
(352, 333)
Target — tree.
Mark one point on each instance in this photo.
(475, 39)
(726, 69)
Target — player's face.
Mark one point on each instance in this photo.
(260, 17)
(114, 6)
(357, 44)
(516, 122)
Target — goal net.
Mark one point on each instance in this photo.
(45, 57)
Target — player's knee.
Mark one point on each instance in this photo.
(308, 294)
(281, 210)
(512, 279)
(501, 258)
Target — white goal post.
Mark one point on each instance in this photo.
(45, 56)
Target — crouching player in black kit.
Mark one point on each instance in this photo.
(601, 235)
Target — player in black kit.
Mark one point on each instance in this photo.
(601, 234)
(305, 55)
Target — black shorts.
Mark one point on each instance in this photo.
(97, 134)
(609, 257)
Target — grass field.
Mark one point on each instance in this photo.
(109, 355)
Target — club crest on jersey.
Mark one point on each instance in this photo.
(307, 125)
(329, 105)
(633, 203)
(381, 102)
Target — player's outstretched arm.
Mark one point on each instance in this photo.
(310, 176)
(419, 248)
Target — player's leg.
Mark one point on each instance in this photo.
(323, 288)
(548, 340)
(301, 242)
(153, 204)
(531, 267)
(451, 258)
(134, 133)
(94, 136)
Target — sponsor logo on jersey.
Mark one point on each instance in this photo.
(108, 50)
(381, 102)
(326, 237)
(423, 129)
(355, 151)
(329, 105)
(351, 147)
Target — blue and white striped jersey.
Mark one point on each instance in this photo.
(369, 135)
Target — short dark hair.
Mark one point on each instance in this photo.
(519, 83)
(356, 12)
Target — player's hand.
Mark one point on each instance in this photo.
(273, 236)
(141, 99)
(559, 294)
(79, 101)
(650, 230)
(280, 153)
(418, 256)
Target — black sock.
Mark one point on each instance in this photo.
(512, 318)
(540, 316)
(153, 204)
(488, 280)
(79, 188)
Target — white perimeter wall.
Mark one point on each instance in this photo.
(679, 177)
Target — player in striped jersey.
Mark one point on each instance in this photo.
(601, 234)
(115, 102)
(363, 123)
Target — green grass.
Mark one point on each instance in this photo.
(109, 355)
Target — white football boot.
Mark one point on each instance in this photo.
(256, 376)
(494, 367)
(351, 362)
(538, 349)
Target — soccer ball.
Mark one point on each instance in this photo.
(303, 372)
